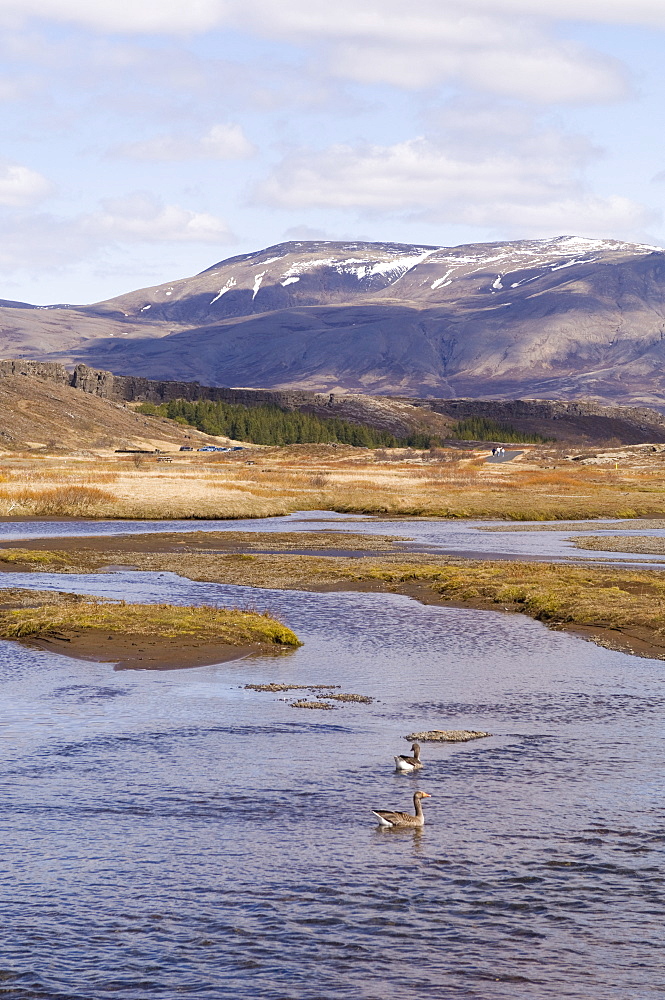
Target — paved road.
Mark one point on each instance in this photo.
(507, 456)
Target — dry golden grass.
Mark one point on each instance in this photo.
(72, 500)
(31, 475)
(539, 486)
(59, 561)
(645, 544)
(549, 592)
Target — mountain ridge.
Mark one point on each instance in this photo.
(559, 318)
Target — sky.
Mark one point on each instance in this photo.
(144, 141)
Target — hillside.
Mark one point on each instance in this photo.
(556, 319)
(37, 413)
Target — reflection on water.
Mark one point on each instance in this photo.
(171, 834)
(464, 538)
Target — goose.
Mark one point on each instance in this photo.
(388, 818)
(404, 763)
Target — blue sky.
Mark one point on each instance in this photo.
(144, 141)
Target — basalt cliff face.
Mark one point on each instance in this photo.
(575, 423)
(557, 319)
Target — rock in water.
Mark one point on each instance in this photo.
(447, 735)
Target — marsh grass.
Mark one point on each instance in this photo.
(549, 592)
(323, 706)
(646, 544)
(541, 485)
(69, 500)
(274, 687)
(55, 560)
(230, 626)
(556, 594)
(82, 477)
(359, 699)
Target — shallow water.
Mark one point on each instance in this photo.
(468, 538)
(171, 834)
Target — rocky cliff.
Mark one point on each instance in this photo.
(574, 422)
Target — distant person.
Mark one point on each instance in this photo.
(493, 452)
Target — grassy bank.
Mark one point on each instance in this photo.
(552, 593)
(625, 600)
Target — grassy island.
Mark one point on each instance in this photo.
(139, 635)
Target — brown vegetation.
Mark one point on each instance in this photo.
(71, 501)
(41, 416)
(136, 635)
(542, 484)
(447, 735)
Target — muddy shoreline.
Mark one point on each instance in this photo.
(140, 652)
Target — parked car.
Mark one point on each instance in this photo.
(185, 447)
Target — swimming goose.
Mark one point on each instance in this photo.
(404, 763)
(388, 818)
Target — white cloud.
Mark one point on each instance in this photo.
(534, 70)
(132, 16)
(142, 218)
(320, 18)
(649, 13)
(21, 186)
(490, 167)
(46, 242)
(221, 142)
(504, 46)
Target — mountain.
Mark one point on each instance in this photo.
(555, 319)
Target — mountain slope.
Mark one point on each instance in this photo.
(548, 318)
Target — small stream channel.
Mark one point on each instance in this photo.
(465, 538)
(172, 834)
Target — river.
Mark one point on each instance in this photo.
(174, 834)
(463, 538)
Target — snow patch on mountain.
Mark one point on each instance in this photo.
(223, 290)
(441, 282)
(364, 269)
(575, 260)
